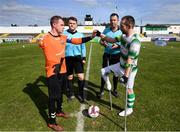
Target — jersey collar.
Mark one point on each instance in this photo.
(71, 31)
(116, 30)
(53, 35)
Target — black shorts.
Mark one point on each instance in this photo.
(74, 64)
(112, 58)
(56, 83)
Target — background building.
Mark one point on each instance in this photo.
(88, 20)
(149, 32)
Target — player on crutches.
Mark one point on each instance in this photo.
(127, 67)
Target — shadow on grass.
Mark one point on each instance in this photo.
(112, 120)
(39, 98)
(91, 94)
(85, 113)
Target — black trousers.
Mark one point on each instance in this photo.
(56, 84)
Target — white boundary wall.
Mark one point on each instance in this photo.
(45, 29)
(82, 29)
(36, 30)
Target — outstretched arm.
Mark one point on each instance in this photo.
(81, 40)
(108, 39)
(105, 38)
(103, 43)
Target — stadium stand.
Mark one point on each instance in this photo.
(17, 37)
(4, 35)
(147, 33)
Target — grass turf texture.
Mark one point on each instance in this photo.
(23, 96)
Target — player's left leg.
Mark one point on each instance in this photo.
(62, 80)
(53, 91)
(81, 83)
(131, 95)
(79, 70)
(70, 67)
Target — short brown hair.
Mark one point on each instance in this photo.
(130, 21)
(54, 19)
(72, 18)
(114, 14)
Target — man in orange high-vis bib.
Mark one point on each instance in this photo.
(53, 45)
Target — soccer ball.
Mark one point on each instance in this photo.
(93, 111)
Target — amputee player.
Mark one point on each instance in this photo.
(129, 50)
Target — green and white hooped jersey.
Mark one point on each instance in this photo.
(130, 47)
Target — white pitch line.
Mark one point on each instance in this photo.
(80, 117)
(89, 62)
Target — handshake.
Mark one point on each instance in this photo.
(97, 33)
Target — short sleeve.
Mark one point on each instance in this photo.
(41, 41)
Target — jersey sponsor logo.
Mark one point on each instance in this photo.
(62, 42)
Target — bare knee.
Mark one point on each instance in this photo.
(70, 77)
(130, 91)
(81, 76)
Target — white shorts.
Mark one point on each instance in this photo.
(119, 71)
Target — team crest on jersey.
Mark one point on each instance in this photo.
(62, 42)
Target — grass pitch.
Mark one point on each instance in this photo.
(23, 96)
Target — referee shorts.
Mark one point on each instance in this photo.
(109, 59)
(74, 63)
